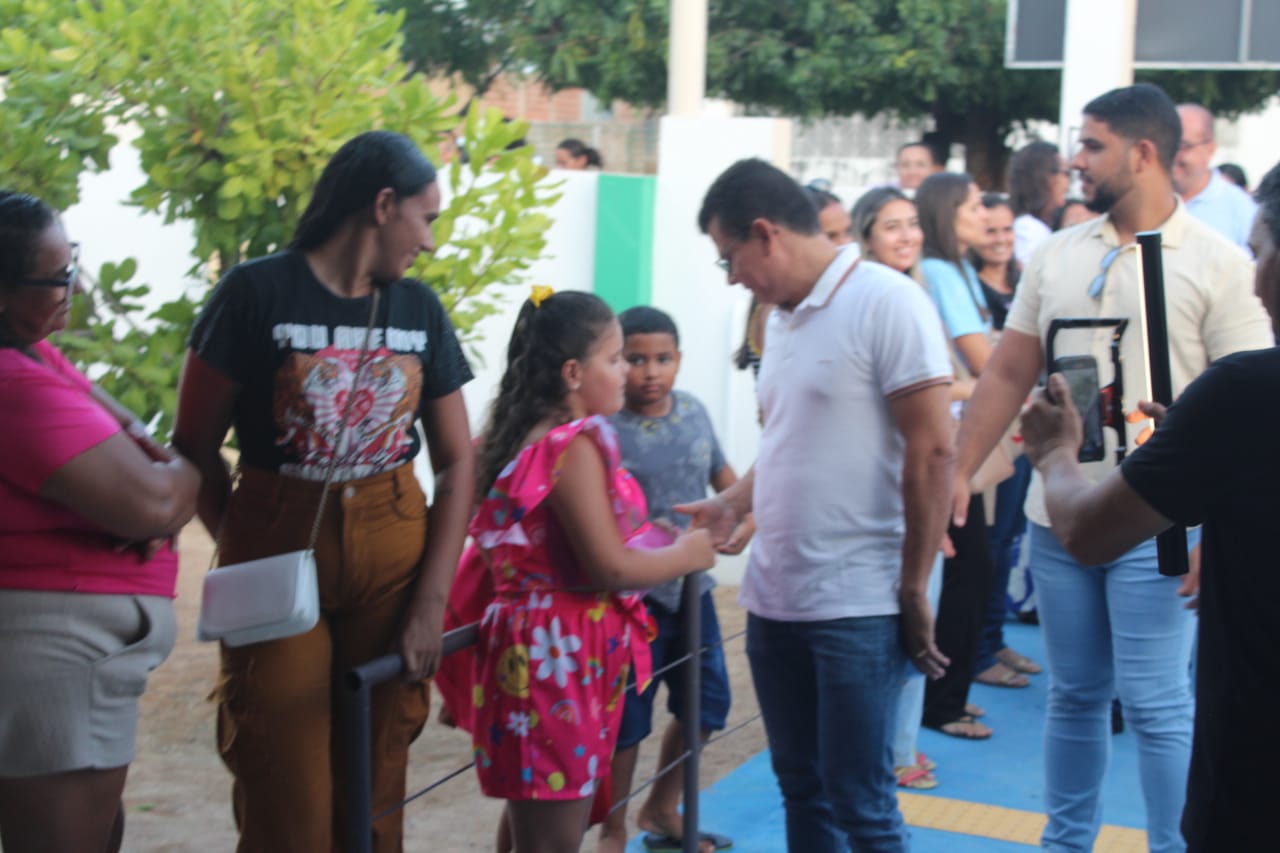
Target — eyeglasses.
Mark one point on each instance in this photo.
(68, 279)
(1095, 287)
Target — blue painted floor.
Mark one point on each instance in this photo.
(1006, 770)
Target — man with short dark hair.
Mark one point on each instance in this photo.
(847, 528)
(1117, 628)
(1208, 195)
(1212, 461)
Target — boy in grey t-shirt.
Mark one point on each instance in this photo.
(668, 445)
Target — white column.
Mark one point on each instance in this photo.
(687, 61)
(1097, 56)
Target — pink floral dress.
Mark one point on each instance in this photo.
(554, 659)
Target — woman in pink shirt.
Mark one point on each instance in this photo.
(87, 501)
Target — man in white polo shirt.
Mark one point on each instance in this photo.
(1118, 628)
(850, 493)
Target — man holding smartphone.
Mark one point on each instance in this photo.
(1213, 460)
(1119, 627)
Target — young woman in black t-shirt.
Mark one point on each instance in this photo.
(325, 360)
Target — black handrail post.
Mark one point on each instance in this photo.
(1171, 544)
(357, 737)
(359, 776)
(691, 605)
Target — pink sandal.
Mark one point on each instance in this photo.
(915, 778)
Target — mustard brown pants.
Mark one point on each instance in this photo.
(279, 702)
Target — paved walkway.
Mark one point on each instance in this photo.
(990, 796)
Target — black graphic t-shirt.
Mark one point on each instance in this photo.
(293, 345)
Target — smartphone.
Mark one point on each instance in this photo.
(1081, 372)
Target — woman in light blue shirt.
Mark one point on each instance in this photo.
(953, 221)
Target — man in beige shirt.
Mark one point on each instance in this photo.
(1117, 628)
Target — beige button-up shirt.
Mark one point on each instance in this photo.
(1209, 298)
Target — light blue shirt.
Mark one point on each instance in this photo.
(1225, 208)
(959, 297)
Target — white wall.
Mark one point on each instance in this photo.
(568, 263)
(110, 230)
(711, 315)
(1252, 141)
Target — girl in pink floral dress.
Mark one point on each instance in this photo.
(562, 531)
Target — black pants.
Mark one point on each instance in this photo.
(966, 588)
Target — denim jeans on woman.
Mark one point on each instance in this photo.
(906, 731)
(1115, 629)
(828, 691)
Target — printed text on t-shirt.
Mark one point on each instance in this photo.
(302, 336)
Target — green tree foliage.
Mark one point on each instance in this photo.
(48, 135)
(905, 58)
(238, 105)
(472, 39)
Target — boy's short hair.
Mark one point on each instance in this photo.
(646, 320)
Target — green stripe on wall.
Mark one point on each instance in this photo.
(624, 240)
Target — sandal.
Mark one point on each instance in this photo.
(922, 760)
(915, 778)
(1000, 675)
(965, 727)
(1017, 662)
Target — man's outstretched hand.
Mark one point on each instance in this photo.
(714, 515)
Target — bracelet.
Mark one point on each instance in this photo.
(137, 429)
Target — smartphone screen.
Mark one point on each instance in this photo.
(1081, 372)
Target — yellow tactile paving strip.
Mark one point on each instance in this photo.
(1002, 824)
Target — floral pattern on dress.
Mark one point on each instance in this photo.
(553, 661)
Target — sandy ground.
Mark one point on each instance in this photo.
(178, 795)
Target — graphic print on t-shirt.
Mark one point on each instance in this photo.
(311, 395)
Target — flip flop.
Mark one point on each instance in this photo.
(1002, 675)
(671, 844)
(1017, 662)
(923, 761)
(966, 720)
(916, 778)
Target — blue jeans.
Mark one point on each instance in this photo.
(1007, 529)
(669, 644)
(828, 691)
(1116, 629)
(911, 698)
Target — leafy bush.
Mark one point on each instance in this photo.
(239, 104)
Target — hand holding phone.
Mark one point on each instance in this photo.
(1081, 373)
(1051, 422)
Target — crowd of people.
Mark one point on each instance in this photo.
(914, 320)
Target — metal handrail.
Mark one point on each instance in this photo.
(358, 682)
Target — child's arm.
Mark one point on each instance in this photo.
(581, 502)
(745, 529)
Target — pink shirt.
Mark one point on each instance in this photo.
(49, 419)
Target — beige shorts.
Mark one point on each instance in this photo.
(72, 668)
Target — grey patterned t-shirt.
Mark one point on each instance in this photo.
(674, 458)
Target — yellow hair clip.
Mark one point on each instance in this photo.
(540, 294)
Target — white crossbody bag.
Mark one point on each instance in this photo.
(273, 597)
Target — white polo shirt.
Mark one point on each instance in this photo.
(828, 479)
(1209, 300)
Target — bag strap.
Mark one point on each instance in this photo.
(346, 415)
(342, 434)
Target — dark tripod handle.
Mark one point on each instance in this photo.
(1171, 545)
